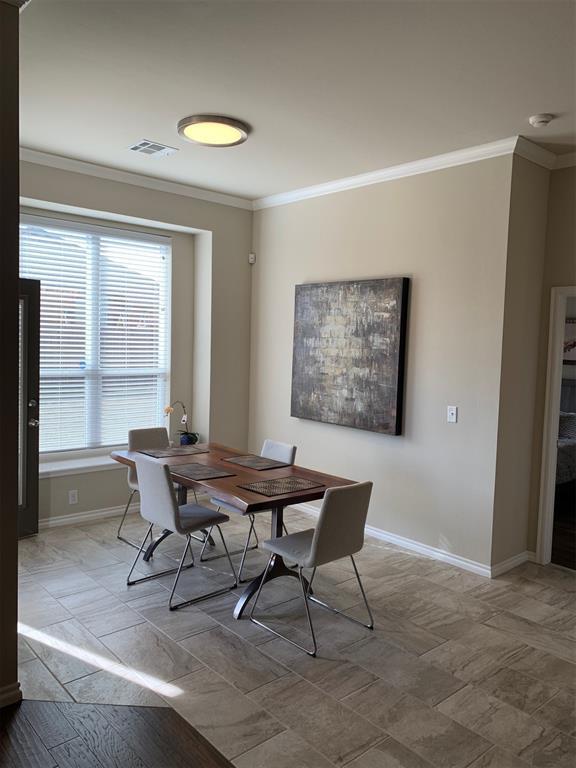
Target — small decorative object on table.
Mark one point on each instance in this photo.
(186, 437)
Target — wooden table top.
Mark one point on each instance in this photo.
(226, 488)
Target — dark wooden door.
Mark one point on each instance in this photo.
(28, 406)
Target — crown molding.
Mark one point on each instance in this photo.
(565, 161)
(536, 154)
(414, 168)
(514, 145)
(128, 177)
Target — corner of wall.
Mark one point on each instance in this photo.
(520, 338)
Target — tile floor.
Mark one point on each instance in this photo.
(460, 671)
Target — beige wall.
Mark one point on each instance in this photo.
(516, 432)
(448, 232)
(213, 375)
(559, 270)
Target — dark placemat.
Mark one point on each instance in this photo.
(180, 450)
(281, 485)
(256, 462)
(197, 471)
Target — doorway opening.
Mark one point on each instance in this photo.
(557, 523)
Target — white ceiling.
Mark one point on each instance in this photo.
(332, 89)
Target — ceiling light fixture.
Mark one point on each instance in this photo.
(213, 130)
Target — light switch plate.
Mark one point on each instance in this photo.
(452, 414)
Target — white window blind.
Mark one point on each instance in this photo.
(104, 330)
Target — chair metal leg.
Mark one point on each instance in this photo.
(251, 530)
(215, 593)
(314, 649)
(370, 625)
(119, 532)
(160, 573)
(245, 549)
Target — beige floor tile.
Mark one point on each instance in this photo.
(88, 554)
(25, 653)
(390, 754)
(113, 579)
(405, 634)
(36, 554)
(444, 623)
(286, 750)
(178, 624)
(100, 611)
(433, 736)
(69, 650)
(403, 670)
(224, 715)
(517, 689)
(502, 724)
(60, 582)
(498, 758)
(560, 711)
(146, 649)
(38, 683)
(329, 670)
(452, 600)
(106, 688)
(239, 662)
(38, 609)
(545, 667)
(332, 729)
(535, 635)
(466, 663)
(437, 628)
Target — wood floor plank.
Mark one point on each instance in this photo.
(48, 722)
(172, 727)
(20, 741)
(103, 740)
(150, 745)
(75, 754)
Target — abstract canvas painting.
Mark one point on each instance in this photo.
(348, 360)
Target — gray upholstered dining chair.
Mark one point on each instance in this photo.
(339, 533)
(158, 506)
(154, 438)
(271, 449)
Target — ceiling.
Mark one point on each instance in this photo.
(332, 89)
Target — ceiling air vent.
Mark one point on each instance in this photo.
(152, 148)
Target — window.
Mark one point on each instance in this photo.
(104, 330)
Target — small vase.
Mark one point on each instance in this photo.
(189, 438)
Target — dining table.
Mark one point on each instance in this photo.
(246, 501)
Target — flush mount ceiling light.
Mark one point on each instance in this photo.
(213, 130)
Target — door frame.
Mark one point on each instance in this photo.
(558, 302)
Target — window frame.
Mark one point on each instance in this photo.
(60, 461)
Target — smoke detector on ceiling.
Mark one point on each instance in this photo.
(153, 148)
(541, 120)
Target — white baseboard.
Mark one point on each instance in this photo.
(506, 565)
(489, 571)
(89, 516)
(10, 694)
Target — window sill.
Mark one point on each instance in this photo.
(79, 465)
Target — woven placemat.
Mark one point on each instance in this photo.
(281, 485)
(256, 462)
(197, 471)
(180, 450)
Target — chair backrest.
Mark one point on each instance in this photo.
(158, 502)
(278, 451)
(139, 439)
(340, 528)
